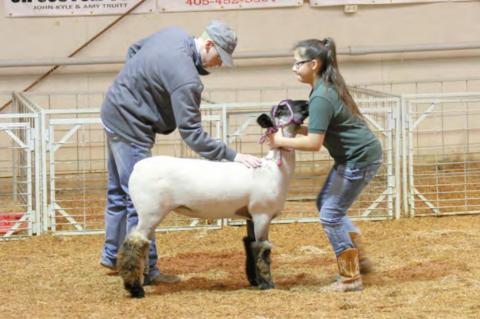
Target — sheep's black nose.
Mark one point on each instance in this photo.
(264, 121)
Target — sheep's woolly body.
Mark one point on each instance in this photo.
(205, 189)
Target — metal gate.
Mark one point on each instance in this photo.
(76, 176)
(77, 173)
(53, 162)
(18, 216)
(380, 200)
(77, 166)
(442, 148)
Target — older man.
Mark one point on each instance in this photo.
(157, 91)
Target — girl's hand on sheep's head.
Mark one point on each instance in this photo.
(249, 161)
(275, 139)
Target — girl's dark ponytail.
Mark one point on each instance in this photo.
(325, 50)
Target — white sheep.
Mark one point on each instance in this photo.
(206, 189)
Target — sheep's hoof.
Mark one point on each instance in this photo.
(253, 282)
(266, 285)
(135, 289)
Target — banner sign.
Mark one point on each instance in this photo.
(324, 3)
(39, 8)
(201, 5)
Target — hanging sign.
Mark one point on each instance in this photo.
(40, 8)
(200, 5)
(324, 3)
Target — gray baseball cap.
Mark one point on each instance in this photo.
(224, 38)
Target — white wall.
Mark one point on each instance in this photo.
(262, 30)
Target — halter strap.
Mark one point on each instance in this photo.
(276, 126)
(291, 119)
(263, 137)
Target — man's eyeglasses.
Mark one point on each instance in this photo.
(298, 64)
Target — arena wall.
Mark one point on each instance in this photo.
(263, 31)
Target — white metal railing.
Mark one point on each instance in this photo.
(231, 122)
(441, 154)
(19, 193)
(430, 142)
(78, 183)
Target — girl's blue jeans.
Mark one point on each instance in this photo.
(342, 187)
(120, 214)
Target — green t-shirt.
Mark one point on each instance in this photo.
(348, 139)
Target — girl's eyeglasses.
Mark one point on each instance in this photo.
(298, 64)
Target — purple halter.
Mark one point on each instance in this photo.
(276, 125)
(291, 119)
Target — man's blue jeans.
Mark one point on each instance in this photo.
(342, 187)
(120, 214)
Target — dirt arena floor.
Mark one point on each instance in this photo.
(425, 268)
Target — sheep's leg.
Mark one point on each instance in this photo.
(147, 225)
(133, 256)
(250, 267)
(150, 234)
(146, 267)
(261, 251)
(130, 262)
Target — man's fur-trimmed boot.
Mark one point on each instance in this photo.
(349, 272)
(366, 265)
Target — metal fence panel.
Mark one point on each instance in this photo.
(73, 153)
(19, 192)
(380, 200)
(443, 152)
(73, 160)
(53, 161)
(77, 172)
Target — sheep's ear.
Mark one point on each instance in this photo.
(301, 107)
(264, 121)
(300, 110)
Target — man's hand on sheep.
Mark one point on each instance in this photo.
(249, 161)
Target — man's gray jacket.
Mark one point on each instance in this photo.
(158, 90)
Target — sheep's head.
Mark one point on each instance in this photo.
(287, 115)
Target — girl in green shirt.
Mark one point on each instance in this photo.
(337, 124)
